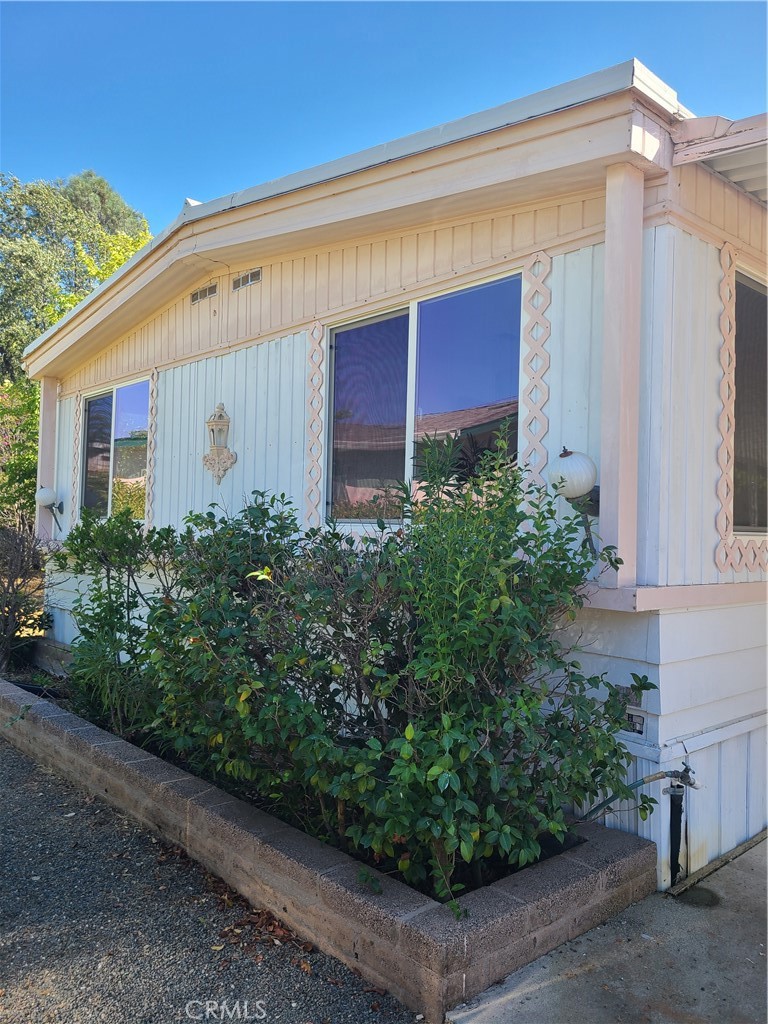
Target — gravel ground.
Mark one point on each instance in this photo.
(99, 921)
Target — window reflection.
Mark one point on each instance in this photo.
(467, 374)
(121, 446)
(750, 487)
(369, 388)
(129, 465)
(98, 448)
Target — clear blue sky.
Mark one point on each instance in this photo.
(168, 100)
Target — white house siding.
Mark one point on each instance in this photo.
(354, 279)
(263, 389)
(64, 460)
(680, 408)
(575, 347)
(709, 708)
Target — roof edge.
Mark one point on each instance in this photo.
(631, 74)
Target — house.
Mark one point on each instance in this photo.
(590, 260)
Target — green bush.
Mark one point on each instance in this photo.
(122, 566)
(404, 694)
(22, 616)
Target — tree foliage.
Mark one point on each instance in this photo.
(19, 402)
(58, 240)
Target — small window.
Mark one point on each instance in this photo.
(204, 293)
(461, 380)
(248, 278)
(750, 465)
(115, 456)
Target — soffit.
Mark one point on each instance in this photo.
(736, 150)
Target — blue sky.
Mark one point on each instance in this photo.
(168, 100)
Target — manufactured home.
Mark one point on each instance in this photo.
(589, 262)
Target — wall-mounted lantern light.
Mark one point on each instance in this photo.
(219, 459)
(48, 499)
(574, 475)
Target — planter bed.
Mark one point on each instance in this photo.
(397, 938)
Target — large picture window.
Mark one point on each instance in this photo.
(446, 365)
(115, 456)
(750, 465)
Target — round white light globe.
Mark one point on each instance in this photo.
(573, 473)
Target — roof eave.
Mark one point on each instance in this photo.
(630, 76)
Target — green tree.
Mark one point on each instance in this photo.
(58, 240)
(19, 402)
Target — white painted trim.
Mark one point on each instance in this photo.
(676, 598)
(620, 398)
(678, 749)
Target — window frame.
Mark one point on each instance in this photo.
(100, 392)
(411, 308)
(737, 551)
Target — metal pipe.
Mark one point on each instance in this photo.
(686, 777)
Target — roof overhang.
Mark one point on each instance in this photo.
(737, 150)
(556, 141)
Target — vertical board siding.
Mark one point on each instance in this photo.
(575, 347)
(757, 771)
(65, 454)
(730, 807)
(702, 192)
(625, 817)
(263, 391)
(679, 410)
(297, 289)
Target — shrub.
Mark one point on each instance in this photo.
(21, 585)
(122, 566)
(405, 694)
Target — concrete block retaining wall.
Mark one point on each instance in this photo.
(399, 939)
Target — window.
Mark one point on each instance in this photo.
(204, 293)
(115, 456)
(750, 470)
(447, 365)
(246, 279)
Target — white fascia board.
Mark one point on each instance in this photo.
(621, 77)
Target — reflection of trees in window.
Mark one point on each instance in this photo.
(369, 388)
(122, 446)
(98, 437)
(465, 386)
(750, 476)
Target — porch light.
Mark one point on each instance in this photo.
(47, 498)
(219, 458)
(574, 475)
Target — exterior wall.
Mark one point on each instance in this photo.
(263, 389)
(575, 348)
(258, 352)
(709, 709)
(681, 405)
(357, 279)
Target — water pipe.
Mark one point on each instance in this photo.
(684, 777)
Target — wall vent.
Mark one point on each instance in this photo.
(204, 293)
(249, 277)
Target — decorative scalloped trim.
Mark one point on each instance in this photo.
(732, 552)
(149, 499)
(76, 457)
(314, 453)
(536, 301)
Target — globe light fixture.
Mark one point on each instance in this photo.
(47, 498)
(574, 475)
